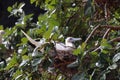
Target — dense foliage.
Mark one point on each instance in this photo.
(95, 21)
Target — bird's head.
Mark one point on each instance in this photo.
(69, 41)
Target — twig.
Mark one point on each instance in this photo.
(115, 40)
(92, 33)
(111, 41)
(98, 48)
(106, 33)
(111, 27)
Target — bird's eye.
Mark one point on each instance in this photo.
(70, 39)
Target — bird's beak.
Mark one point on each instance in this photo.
(76, 39)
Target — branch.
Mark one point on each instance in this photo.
(111, 27)
(111, 41)
(92, 33)
(106, 33)
(115, 40)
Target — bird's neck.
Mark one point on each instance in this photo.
(69, 44)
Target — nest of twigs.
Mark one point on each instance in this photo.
(61, 60)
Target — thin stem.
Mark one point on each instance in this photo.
(92, 33)
(106, 33)
(111, 27)
(113, 40)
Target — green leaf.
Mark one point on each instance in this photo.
(53, 22)
(24, 51)
(36, 61)
(94, 56)
(48, 33)
(1, 27)
(13, 62)
(24, 40)
(116, 58)
(32, 1)
(113, 66)
(25, 60)
(25, 57)
(9, 9)
(50, 4)
(105, 46)
(28, 17)
(17, 74)
(41, 31)
(42, 18)
(77, 51)
(80, 50)
(88, 8)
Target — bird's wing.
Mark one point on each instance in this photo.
(31, 40)
(62, 47)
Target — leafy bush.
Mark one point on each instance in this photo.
(97, 54)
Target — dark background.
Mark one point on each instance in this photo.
(28, 8)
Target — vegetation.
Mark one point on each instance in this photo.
(95, 21)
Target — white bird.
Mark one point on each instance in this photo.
(58, 45)
(63, 51)
(68, 46)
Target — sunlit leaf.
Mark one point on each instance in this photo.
(24, 40)
(1, 27)
(116, 57)
(32, 1)
(80, 49)
(105, 46)
(48, 33)
(95, 56)
(36, 61)
(24, 62)
(9, 9)
(77, 51)
(17, 74)
(13, 62)
(25, 57)
(113, 66)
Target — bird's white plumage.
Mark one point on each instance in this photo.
(62, 47)
(68, 46)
